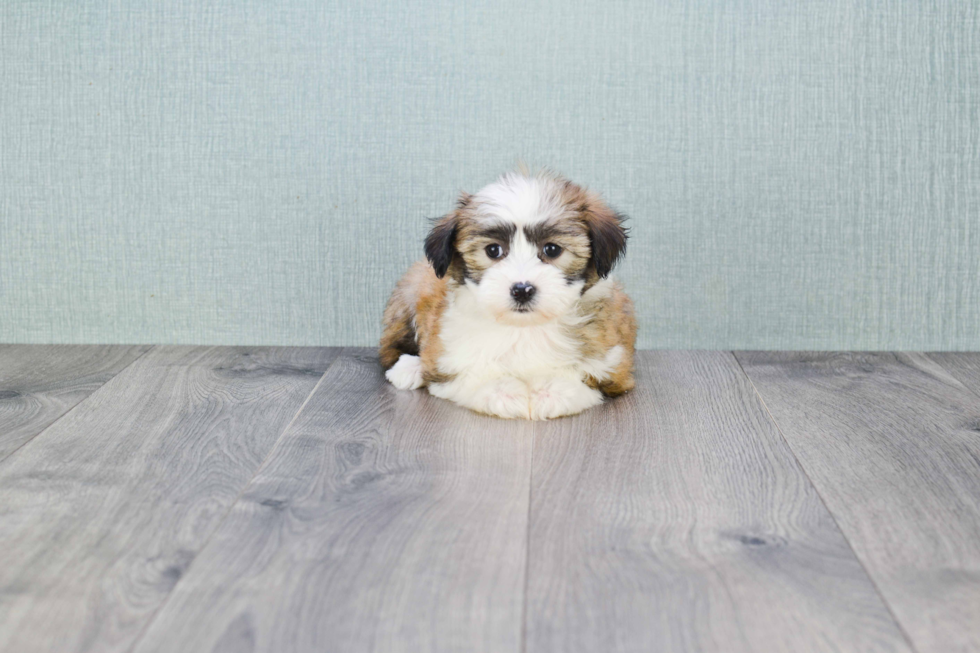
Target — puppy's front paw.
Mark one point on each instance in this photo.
(507, 398)
(406, 374)
(557, 397)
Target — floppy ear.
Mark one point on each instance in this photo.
(440, 244)
(607, 234)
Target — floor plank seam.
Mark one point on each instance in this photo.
(231, 506)
(816, 489)
(72, 409)
(527, 546)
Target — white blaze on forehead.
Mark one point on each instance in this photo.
(519, 199)
(521, 261)
(522, 253)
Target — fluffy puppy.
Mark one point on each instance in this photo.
(513, 314)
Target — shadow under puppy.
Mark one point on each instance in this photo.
(513, 314)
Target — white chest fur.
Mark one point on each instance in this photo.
(531, 371)
(477, 346)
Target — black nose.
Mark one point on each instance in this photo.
(522, 292)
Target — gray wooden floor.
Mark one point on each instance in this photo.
(280, 499)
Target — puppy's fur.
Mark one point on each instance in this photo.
(458, 324)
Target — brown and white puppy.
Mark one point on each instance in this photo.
(513, 314)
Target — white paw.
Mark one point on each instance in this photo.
(506, 398)
(406, 374)
(602, 368)
(557, 397)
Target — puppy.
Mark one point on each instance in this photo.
(513, 314)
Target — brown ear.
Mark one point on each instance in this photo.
(440, 244)
(607, 234)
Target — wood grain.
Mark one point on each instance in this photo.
(965, 366)
(102, 513)
(40, 383)
(891, 442)
(676, 519)
(384, 520)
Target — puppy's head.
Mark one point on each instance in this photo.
(527, 246)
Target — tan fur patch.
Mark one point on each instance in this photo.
(472, 239)
(398, 332)
(613, 323)
(412, 320)
(606, 233)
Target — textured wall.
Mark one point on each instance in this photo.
(800, 175)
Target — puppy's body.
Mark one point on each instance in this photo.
(512, 314)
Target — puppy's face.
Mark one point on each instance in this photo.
(527, 247)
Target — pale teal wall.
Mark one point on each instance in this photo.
(800, 174)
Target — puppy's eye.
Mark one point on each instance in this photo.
(552, 250)
(494, 251)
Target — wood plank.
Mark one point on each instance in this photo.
(677, 519)
(40, 383)
(102, 513)
(384, 520)
(962, 365)
(891, 442)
